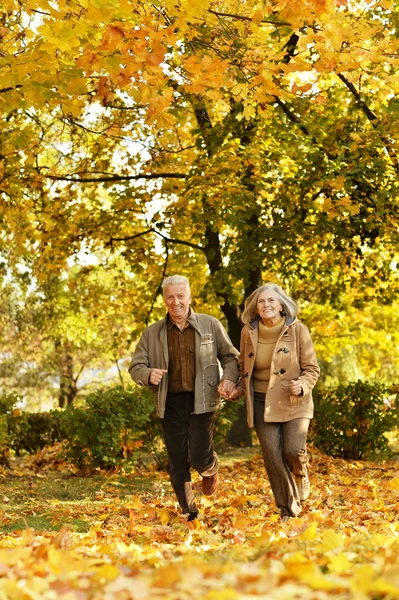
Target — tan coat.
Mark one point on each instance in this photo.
(293, 357)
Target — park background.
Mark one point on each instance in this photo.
(234, 143)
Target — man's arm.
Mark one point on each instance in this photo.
(227, 354)
(139, 368)
(238, 391)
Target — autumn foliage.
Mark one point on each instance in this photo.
(120, 543)
(233, 143)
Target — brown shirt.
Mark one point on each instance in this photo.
(181, 349)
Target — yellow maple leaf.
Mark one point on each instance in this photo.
(393, 483)
(107, 572)
(339, 563)
(112, 38)
(163, 517)
(310, 533)
(331, 540)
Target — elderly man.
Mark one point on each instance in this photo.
(179, 358)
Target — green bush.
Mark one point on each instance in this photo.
(30, 432)
(225, 417)
(112, 425)
(350, 421)
(26, 432)
(8, 403)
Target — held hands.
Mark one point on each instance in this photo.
(295, 387)
(156, 376)
(227, 389)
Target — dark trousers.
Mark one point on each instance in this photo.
(284, 453)
(189, 443)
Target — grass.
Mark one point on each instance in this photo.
(50, 500)
(47, 502)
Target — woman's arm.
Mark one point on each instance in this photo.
(310, 370)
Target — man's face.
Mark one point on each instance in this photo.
(177, 299)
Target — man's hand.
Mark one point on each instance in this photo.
(156, 376)
(227, 389)
(295, 387)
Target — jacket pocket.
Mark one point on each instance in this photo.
(210, 381)
(287, 399)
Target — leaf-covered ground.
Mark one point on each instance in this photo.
(121, 537)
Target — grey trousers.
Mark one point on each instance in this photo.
(284, 453)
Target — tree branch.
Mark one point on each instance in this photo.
(90, 130)
(244, 18)
(290, 46)
(135, 107)
(295, 119)
(159, 288)
(128, 237)
(112, 178)
(9, 89)
(153, 230)
(177, 241)
(40, 12)
(372, 117)
(361, 103)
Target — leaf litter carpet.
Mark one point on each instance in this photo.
(344, 545)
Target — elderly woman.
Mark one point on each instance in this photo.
(278, 368)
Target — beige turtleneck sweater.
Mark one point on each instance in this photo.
(267, 338)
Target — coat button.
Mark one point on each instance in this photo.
(285, 350)
(282, 371)
(250, 355)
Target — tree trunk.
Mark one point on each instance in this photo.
(67, 389)
(240, 434)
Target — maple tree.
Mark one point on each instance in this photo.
(233, 143)
(67, 335)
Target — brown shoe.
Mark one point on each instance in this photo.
(210, 484)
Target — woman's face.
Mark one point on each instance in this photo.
(269, 307)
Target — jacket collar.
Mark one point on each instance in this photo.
(288, 321)
(192, 319)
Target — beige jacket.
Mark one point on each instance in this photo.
(212, 349)
(294, 357)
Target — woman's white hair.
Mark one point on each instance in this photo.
(250, 312)
(176, 280)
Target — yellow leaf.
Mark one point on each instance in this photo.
(112, 38)
(164, 517)
(310, 574)
(249, 112)
(310, 533)
(339, 563)
(107, 572)
(393, 483)
(225, 594)
(331, 541)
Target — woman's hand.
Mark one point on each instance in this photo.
(295, 387)
(227, 389)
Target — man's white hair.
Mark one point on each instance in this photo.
(176, 280)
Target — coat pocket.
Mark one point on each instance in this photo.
(288, 400)
(210, 381)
